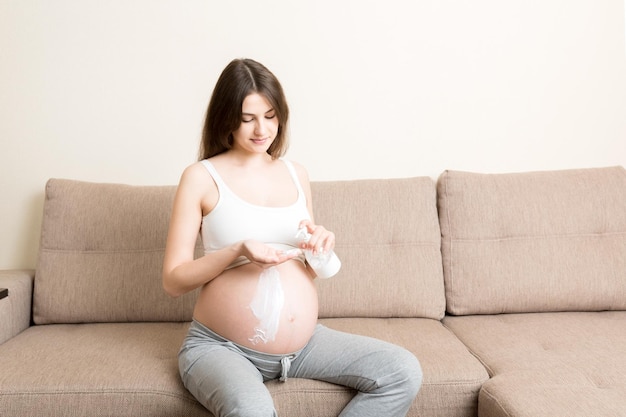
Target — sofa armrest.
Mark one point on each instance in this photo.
(15, 308)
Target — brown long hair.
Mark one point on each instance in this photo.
(239, 79)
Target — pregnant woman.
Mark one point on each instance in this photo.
(255, 317)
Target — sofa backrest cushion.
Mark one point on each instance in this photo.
(535, 241)
(101, 254)
(388, 240)
(102, 245)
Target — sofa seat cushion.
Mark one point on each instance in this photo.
(126, 369)
(452, 376)
(130, 369)
(545, 363)
(558, 393)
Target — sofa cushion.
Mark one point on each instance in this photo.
(102, 248)
(549, 395)
(131, 369)
(545, 363)
(388, 240)
(452, 376)
(109, 369)
(534, 242)
(101, 254)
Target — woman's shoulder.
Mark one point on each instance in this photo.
(197, 186)
(195, 171)
(196, 176)
(300, 169)
(301, 172)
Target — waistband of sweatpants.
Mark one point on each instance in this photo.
(261, 355)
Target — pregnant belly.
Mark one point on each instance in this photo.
(278, 316)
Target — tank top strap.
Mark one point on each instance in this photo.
(221, 185)
(294, 176)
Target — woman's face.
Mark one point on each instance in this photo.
(259, 125)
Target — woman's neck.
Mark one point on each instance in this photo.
(242, 158)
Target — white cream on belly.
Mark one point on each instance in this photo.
(224, 306)
(267, 306)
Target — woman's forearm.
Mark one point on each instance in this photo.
(188, 276)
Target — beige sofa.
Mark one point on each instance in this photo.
(509, 288)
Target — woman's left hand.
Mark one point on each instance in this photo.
(321, 241)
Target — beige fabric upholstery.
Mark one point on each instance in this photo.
(101, 255)
(533, 242)
(388, 240)
(529, 242)
(15, 308)
(100, 259)
(547, 395)
(543, 364)
(452, 376)
(119, 369)
(102, 248)
(130, 369)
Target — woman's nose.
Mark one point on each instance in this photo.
(260, 127)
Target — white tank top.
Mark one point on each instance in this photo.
(234, 219)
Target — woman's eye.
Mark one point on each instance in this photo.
(246, 120)
(269, 117)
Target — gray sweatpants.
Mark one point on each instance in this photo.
(228, 379)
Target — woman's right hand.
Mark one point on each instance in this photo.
(264, 255)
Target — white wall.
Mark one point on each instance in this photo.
(115, 91)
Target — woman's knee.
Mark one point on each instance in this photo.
(406, 371)
(413, 373)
